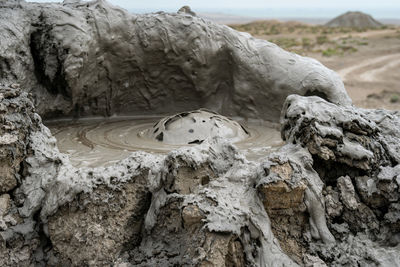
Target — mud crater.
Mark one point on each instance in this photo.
(91, 142)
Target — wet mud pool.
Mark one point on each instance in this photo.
(99, 142)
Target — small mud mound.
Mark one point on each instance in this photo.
(354, 20)
(194, 127)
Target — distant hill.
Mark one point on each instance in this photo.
(354, 20)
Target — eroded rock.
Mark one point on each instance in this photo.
(355, 152)
(15, 119)
(95, 229)
(347, 193)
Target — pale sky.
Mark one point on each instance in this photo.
(381, 8)
(250, 3)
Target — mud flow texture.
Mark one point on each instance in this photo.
(194, 127)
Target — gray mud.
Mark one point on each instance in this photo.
(328, 196)
(92, 58)
(100, 142)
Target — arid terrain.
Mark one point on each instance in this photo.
(368, 60)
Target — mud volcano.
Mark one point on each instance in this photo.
(126, 183)
(94, 142)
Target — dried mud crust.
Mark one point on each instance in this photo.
(356, 154)
(16, 118)
(113, 222)
(18, 237)
(335, 181)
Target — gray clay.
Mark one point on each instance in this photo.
(329, 196)
(92, 58)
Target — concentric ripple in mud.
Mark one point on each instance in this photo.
(96, 142)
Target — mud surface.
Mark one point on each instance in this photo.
(91, 142)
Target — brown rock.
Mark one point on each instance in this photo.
(288, 227)
(222, 250)
(187, 179)
(191, 215)
(7, 176)
(279, 195)
(97, 232)
(4, 204)
(283, 170)
(235, 256)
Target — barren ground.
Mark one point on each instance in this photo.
(367, 60)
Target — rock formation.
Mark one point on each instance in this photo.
(330, 196)
(357, 155)
(354, 20)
